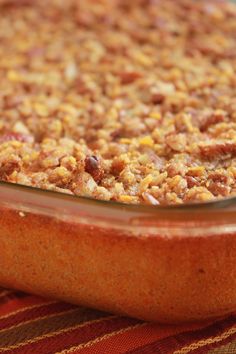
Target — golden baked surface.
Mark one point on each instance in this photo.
(133, 101)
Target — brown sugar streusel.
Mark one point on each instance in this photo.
(133, 101)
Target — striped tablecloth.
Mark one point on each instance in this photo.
(31, 325)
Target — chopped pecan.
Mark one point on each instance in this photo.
(93, 167)
(84, 19)
(192, 181)
(13, 101)
(81, 87)
(116, 134)
(213, 150)
(128, 77)
(118, 166)
(211, 119)
(8, 168)
(157, 98)
(218, 177)
(218, 188)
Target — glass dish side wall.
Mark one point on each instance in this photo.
(167, 265)
(195, 219)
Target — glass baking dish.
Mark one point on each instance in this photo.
(167, 264)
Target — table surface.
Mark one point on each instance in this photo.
(30, 324)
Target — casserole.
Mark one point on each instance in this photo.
(162, 263)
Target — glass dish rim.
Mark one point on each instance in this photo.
(212, 205)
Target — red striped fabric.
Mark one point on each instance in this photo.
(30, 314)
(30, 324)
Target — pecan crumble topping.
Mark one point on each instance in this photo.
(132, 101)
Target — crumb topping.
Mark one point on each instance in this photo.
(132, 101)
